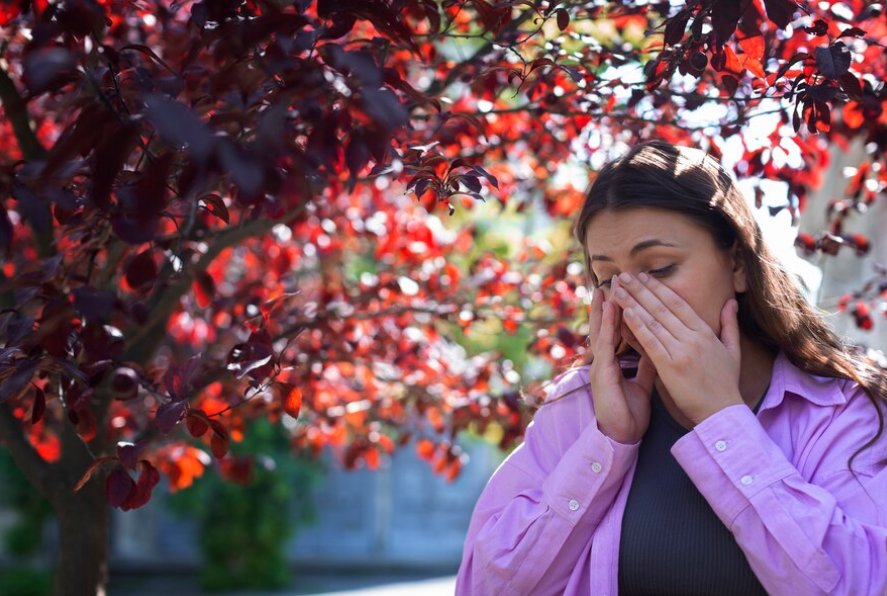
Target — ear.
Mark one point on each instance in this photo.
(740, 280)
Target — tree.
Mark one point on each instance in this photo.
(204, 217)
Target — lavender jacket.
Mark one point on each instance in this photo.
(548, 521)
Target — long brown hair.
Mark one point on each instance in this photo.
(772, 311)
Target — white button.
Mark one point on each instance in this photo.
(721, 445)
(574, 504)
(596, 467)
(745, 480)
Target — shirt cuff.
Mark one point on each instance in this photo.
(588, 475)
(730, 458)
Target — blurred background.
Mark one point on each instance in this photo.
(284, 282)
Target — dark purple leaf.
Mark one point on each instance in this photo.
(180, 127)
(724, 17)
(675, 27)
(134, 230)
(46, 68)
(357, 155)
(6, 233)
(490, 178)
(563, 18)
(118, 486)
(128, 454)
(245, 171)
(39, 406)
(168, 415)
(852, 31)
(471, 182)
(850, 84)
(384, 107)
(34, 208)
(110, 155)
(822, 92)
(342, 24)
(93, 303)
(780, 11)
(357, 64)
(141, 271)
(834, 60)
(216, 205)
(818, 29)
(11, 385)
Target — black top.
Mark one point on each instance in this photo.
(672, 542)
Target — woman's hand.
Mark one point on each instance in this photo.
(699, 369)
(621, 406)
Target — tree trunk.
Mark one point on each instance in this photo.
(84, 520)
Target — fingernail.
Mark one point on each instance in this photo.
(625, 277)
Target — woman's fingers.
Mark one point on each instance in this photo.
(646, 375)
(597, 300)
(641, 325)
(651, 293)
(640, 298)
(604, 340)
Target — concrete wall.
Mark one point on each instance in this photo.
(402, 515)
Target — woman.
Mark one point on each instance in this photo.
(719, 439)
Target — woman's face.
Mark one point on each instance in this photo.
(670, 247)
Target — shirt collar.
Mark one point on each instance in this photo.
(822, 391)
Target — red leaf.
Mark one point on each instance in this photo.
(219, 446)
(292, 403)
(238, 470)
(425, 449)
(753, 47)
(197, 425)
(220, 441)
(141, 492)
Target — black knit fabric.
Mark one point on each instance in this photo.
(672, 543)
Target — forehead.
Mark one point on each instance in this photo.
(613, 233)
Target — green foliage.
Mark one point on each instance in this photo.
(244, 528)
(23, 539)
(25, 582)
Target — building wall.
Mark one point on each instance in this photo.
(402, 515)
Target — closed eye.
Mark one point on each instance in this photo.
(662, 272)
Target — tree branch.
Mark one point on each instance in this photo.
(439, 85)
(17, 113)
(144, 343)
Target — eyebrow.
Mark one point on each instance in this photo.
(637, 248)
